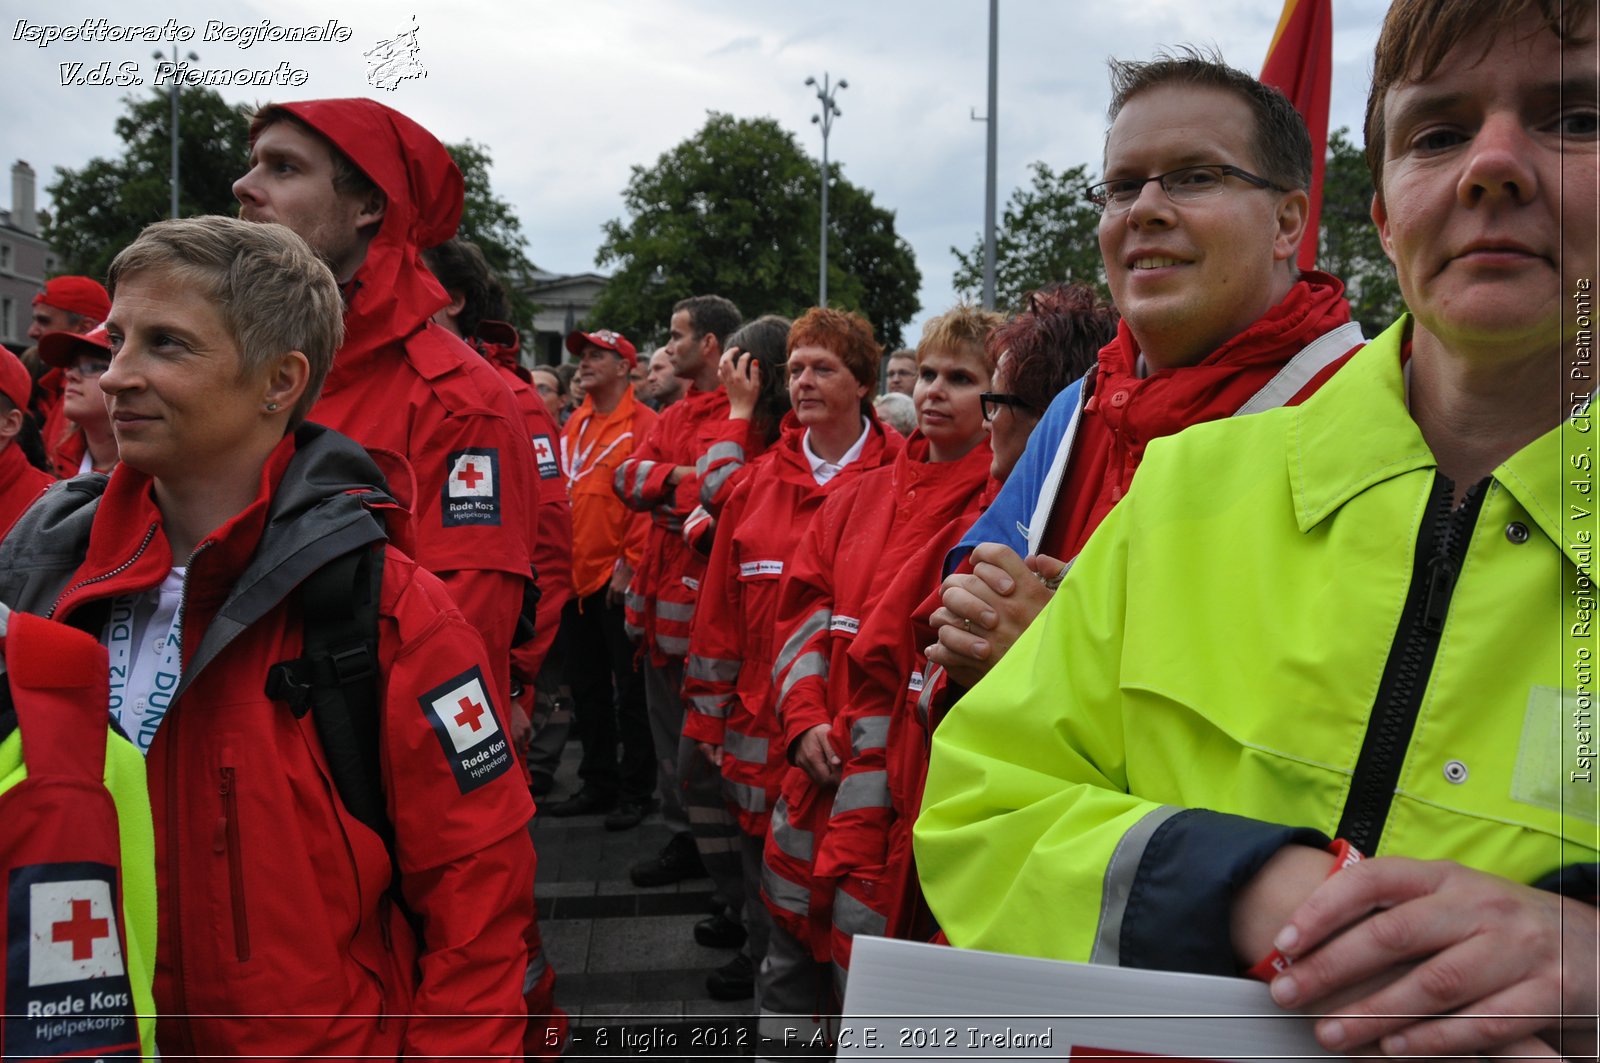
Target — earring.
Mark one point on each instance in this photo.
(272, 407)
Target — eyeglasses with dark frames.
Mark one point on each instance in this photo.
(1181, 186)
(993, 400)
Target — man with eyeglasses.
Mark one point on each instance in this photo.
(1203, 209)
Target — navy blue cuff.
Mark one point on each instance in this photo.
(1581, 882)
(1178, 916)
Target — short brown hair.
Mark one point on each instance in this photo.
(1281, 144)
(1417, 35)
(848, 335)
(274, 293)
(965, 328)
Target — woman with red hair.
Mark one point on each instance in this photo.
(855, 544)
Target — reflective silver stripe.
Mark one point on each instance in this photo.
(810, 664)
(674, 610)
(925, 699)
(713, 481)
(1312, 359)
(672, 645)
(814, 624)
(701, 464)
(633, 601)
(1120, 872)
(749, 798)
(712, 669)
(710, 705)
(727, 450)
(536, 969)
(744, 747)
(867, 789)
(633, 631)
(869, 732)
(789, 838)
(641, 472)
(790, 896)
(852, 917)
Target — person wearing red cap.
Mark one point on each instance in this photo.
(607, 543)
(368, 188)
(65, 304)
(20, 481)
(83, 442)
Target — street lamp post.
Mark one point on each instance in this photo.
(830, 111)
(173, 94)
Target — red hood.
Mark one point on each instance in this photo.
(392, 294)
(499, 342)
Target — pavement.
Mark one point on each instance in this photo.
(628, 970)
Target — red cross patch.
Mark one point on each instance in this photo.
(74, 932)
(464, 720)
(471, 493)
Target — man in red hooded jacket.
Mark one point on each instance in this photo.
(368, 189)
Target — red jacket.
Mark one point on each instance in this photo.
(20, 484)
(661, 599)
(403, 384)
(855, 545)
(272, 902)
(551, 548)
(728, 676)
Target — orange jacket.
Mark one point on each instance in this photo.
(593, 447)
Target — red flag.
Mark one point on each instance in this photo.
(1300, 65)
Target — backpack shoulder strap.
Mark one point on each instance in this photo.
(336, 679)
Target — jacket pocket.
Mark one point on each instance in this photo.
(229, 842)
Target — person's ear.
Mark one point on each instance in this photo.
(286, 382)
(1294, 210)
(372, 209)
(10, 425)
(1380, 218)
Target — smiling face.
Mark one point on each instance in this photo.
(1189, 277)
(822, 390)
(949, 409)
(290, 181)
(1489, 192)
(179, 407)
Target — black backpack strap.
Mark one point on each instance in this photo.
(338, 678)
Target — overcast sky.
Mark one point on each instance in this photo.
(568, 95)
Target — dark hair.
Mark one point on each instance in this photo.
(462, 269)
(1418, 34)
(1054, 341)
(1281, 144)
(710, 313)
(848, 335)
(564, 373)
(767, 340)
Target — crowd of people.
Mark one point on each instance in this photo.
(1189, 630)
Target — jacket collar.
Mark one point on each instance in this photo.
(1374, 439)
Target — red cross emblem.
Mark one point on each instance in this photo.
(470, 475)
(469, 715)
(82, 930)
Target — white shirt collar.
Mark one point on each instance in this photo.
(823, 471)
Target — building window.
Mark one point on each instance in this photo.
(7, 321)
(5, 257)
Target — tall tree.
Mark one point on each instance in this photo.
(1350, 249)
(492, 223)
(734, 210)
(99, 209)
(1048, 233)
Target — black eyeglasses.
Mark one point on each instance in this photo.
(1181, 185)
(993, 400)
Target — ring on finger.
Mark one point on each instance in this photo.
(967, 624)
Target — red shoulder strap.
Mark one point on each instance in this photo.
(60, 685)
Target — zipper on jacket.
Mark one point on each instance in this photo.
(1440, 552)
(149, 534)
(228, 841)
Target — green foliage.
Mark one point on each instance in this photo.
(1048, 233)
(99, 209)
(492, 224)
(734, 211)
(1349, 247)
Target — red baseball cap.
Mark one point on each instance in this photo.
(83, 296)
(61, 349)
(606, 339)
(16, 383)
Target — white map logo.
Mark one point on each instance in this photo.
(395, 60)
